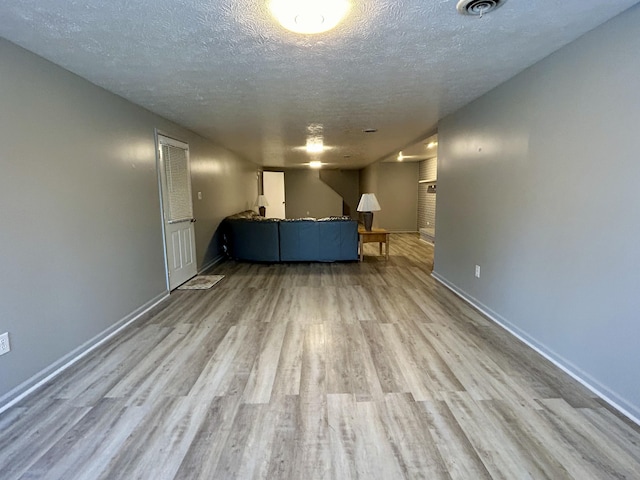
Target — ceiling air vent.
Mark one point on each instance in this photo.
(478, 7)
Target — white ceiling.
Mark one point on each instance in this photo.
(226, 70)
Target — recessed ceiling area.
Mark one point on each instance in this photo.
(421, 150)
(230, 72)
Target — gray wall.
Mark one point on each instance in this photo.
(369, 179)
(305, 192)
(228, 185)
(347, 184)
(538, 183)
(396, 188)
(81, 242)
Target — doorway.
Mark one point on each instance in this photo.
(427, 187)
(273, 187)
(177, 211)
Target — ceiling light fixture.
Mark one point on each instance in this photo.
(309, 16)
(400, 157)
(315, 164)
(432, 144)
(315, 138)
(314, 145)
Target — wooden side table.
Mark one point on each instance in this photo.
(375, 235)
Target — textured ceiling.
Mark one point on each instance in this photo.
(226, 70)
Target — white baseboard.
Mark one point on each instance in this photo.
(628, 410)
(29, 386)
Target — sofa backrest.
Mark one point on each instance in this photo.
(299, 240)
(255, 240)
(324, 240)
(338, 240)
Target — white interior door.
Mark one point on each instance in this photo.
(177, 211)
(273, 185)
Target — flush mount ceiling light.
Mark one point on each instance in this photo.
(315, 145)
(315, 164)
(315, 138)
(309, 16)
(400, 157)
(478, 7)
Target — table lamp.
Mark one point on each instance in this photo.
(368, 204)
(261, 203)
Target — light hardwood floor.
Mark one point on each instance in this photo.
(302, 371)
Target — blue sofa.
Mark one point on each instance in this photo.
(324, 240)
(247, 236)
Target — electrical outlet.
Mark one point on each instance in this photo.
(477, 271)
(4, 343)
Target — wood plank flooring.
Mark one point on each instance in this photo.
(365, 370)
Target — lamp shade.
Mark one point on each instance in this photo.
(368, 203)
(262, 201)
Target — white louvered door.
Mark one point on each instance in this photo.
(177, 207)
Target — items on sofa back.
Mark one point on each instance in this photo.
(248, 236)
